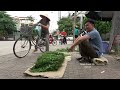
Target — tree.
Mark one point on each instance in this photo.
(65, 23)
(7, 25)
(31, 18)
(68, 23)
(84, 20)
(102, 26)
(115, 29)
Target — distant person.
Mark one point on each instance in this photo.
(50, 39)
(64, 34)
(61, 40)
(76, 32)
(90, 44)
(64, 40)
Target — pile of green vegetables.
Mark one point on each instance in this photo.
(48, 61)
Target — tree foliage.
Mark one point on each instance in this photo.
(31, 18)
(65, 24)
(102, 26)
(7, 25)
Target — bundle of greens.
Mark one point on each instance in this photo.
(48, 61)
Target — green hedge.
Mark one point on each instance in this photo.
(48, 61)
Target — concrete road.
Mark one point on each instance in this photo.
(6, 47)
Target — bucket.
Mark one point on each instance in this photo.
(105, 47)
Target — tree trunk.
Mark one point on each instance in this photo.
(115, 27)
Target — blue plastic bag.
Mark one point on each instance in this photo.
(38, 28)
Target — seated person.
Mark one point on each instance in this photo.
(90, 43)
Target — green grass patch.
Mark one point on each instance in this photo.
(63, 50)
(66, 50)
(48, 61)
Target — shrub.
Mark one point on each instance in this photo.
(48, 61)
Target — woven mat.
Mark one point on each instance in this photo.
(51, 74)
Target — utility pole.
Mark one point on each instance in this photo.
(59, 15)
(81, 18)
(74, 23)
(81, 22)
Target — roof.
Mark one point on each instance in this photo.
(100, 15)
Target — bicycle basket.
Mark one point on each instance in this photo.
(26, 30)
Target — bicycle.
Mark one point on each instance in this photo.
(53, 42)
(26, 40)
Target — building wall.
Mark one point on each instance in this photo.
(20, 20)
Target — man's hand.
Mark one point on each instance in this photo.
(70, 50)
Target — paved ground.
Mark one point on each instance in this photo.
(6, 47)
(76, 70)
(13, 68)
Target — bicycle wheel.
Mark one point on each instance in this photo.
(42, 45)
(21, 47)
(54, 42)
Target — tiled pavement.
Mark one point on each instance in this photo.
(13, 68)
